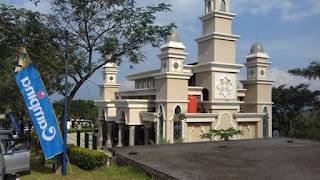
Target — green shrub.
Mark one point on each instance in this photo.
(86, 159)
(225, 134)
(83, 130)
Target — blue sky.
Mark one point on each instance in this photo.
(288, 29)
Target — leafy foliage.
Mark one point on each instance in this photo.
(99, 32)
(311, 72)
(85, 158)
(78, 109)
(23, 27)
(307, 126)
(105, 31)
(225, 134)
(290, 104)
(296, 110)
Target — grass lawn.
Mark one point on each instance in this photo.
(44, 172)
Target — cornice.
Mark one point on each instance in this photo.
(142, 75)
(106, 85)
(258, 81)
(214, 66)
(172, 75)
(257, 63)
(172, 44)
(137, 92)
(258, 55)
(171, 54)
(220, 14)
(216, 35)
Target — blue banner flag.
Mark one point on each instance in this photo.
(38, 105)
(14, 122)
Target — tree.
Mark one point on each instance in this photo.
(311, 72)
(225, 134)
(22, 27)
(78, 109)
(290, 104)
(307, 126)
(101, 32)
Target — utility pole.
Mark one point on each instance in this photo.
(64, 156)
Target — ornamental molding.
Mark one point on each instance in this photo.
(225, 86)
(172, 44)
(258, 55)
(220, 14)
(214, 66)
(216, 35)
(171, 54)
(172, 75)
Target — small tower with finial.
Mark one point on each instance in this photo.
(258, 98)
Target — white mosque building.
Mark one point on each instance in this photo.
(178, 102)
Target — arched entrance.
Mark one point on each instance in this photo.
(205, 94)
(161, 121)
(177, 125)
(223, 5)
(265, 123)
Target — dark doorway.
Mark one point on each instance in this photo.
(265, 123)
(177, 125)
(205, 94)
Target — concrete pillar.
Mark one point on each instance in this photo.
(157, 132)
(109, 135)
(120, 144)
(146, 134)
(131, 135)
(100, 133)
(259, 127)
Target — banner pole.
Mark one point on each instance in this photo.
(64, 157)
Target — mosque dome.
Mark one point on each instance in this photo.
(174, 37)
(256, 47)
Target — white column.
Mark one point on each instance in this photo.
(131, 135)
(109, 135)
(120, 144)
(100, 133)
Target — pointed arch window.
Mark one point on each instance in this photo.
(205, 94)
(177, 125)
(265, 122)
(223, 5)
(161, 119)
(209, 6)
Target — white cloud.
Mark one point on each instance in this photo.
(282, 77)
(290, 10)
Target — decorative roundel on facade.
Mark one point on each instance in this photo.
(176, 65)
(251, 72)
(111, 78)
(164, 65)
(262, 72)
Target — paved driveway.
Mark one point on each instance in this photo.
(278, 158)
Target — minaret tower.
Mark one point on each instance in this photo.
(258, 97)
(109, 86)
(217, 69)
(106, 106)
(172, 88)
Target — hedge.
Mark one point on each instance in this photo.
(83, 130)
(86, 159)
